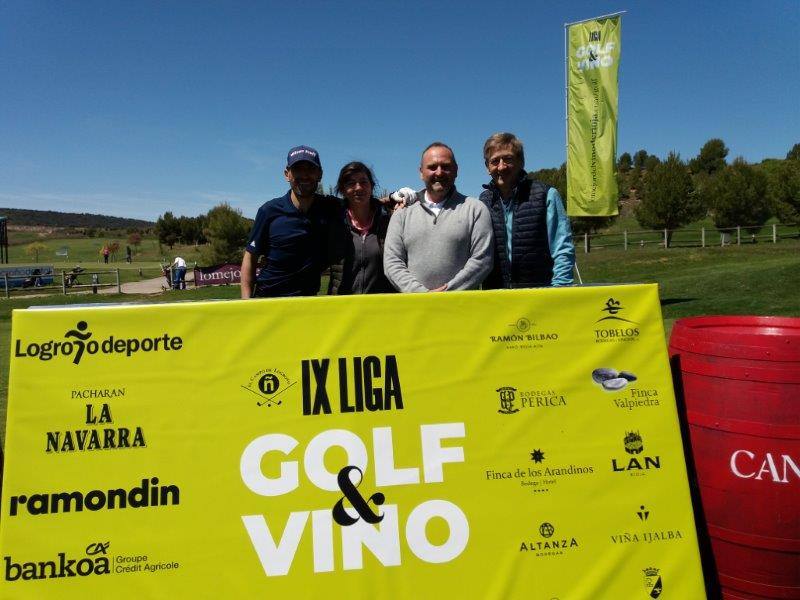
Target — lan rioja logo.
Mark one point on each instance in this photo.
(637, 463)
(633, 442)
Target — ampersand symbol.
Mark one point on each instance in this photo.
(357, 500)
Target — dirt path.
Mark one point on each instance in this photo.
(147, 286)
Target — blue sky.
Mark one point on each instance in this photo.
(135, 108)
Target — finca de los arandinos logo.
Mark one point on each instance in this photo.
(79, 341)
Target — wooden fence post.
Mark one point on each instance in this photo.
(738, 235)
(702, 237)
(774, 233)
(625, 238)
(119, 287)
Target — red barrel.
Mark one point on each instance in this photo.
(740, 381)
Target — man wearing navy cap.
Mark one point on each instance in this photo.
(291, 233)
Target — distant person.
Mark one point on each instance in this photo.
(178, 273)
(444, 240)
(128, 254)
(362, 235)
(33, 280)
(105, 252)
(293, 232)
(71, 276)
(532, 236)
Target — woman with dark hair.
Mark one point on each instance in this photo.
(360, 269)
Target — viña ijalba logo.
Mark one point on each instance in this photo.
(642, 533)
(80, 341)
(95, 562)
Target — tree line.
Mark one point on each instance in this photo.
(672, 193)
(222, 232)
(87, 221)
(667, 194)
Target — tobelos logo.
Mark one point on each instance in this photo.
(79, 341)
(613, 307)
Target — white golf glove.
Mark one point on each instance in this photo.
(404, 196)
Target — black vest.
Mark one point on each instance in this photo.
(531, 264)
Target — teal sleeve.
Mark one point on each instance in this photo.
(559, 236)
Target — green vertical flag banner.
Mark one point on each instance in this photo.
(593, 64)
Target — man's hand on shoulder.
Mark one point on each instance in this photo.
(400, 199)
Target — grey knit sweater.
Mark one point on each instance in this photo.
(424, 251)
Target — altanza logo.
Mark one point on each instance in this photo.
(78, 342)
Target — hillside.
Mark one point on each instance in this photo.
(51, 218)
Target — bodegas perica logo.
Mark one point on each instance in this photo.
(80, 341)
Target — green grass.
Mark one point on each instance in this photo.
(86, 251)
(754, 279)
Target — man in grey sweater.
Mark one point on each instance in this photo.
(444, 240)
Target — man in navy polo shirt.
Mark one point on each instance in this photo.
(291, 233)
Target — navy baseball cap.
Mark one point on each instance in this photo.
(300, 153)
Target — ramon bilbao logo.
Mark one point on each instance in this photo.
(80, 341)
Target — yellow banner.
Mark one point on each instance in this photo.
(508, 444)
(593, 65)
